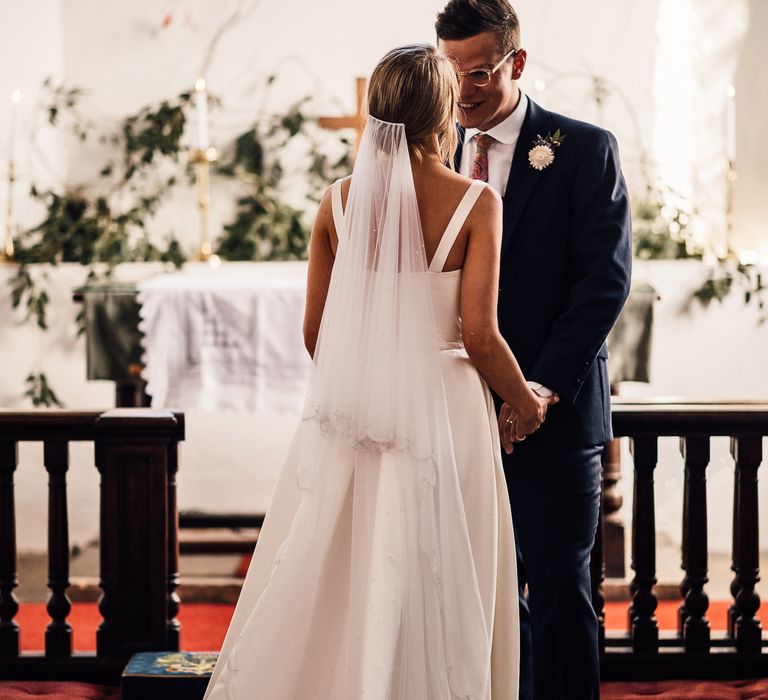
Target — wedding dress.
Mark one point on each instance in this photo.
(385, 569)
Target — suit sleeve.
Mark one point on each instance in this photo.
(600, 266)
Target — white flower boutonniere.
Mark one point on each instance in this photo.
(542, 155)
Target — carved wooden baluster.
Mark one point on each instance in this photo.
(747, 452)
(735, 586)
(644, 629)
(106, 558)
(597, 574)
(58, 635)
(174, 602)
(693, 624)
(9, 606)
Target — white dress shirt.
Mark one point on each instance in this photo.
(500, 153)
(500, 156)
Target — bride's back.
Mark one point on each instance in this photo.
(438, 192)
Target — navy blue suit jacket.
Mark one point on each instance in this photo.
(566, 261)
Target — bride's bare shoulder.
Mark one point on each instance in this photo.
(489, 201)
(486, 216)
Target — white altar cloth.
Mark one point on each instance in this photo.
(226, 337)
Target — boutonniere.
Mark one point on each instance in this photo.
(542, 155)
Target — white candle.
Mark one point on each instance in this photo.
(15, 99)
(730, 124)
(201, 110)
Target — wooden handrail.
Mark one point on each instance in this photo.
(75, 426)
(674, 417)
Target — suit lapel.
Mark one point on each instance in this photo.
(460, 146)
(522, 177)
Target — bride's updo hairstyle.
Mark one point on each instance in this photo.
(416, 86)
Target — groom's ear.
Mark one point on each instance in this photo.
(518, 64)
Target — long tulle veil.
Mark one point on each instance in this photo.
(378, 386)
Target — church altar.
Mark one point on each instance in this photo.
(229, 337)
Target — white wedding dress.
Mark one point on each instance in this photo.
(336, 604)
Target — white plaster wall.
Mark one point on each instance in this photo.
(124, 58)
(751, 145)
(30, 51)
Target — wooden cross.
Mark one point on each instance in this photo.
(351, 121)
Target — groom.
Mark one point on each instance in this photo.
(565, 271)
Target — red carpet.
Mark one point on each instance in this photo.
(53, 690)
(686, 690)
(203, 625)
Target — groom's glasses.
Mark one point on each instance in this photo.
(480, 77)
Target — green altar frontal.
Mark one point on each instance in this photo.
(111, 321)
(167, 675)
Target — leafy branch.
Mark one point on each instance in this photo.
(265, 226)
(40, 392)
(82, 225)
(661, 222)
(725, 278)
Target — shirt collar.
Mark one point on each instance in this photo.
(508, 130)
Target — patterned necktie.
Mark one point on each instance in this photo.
(480, 165)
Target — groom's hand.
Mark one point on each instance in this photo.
(507, 424)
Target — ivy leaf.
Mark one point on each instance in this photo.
(40, 391)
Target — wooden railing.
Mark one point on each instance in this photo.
(136, 457)
(694, 650)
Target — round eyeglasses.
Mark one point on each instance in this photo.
(480, 77)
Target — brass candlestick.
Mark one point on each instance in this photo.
(730, 217)
(203, 158)
(6, 253)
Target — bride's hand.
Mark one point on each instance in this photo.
(506, 426)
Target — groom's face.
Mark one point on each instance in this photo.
(484, 107)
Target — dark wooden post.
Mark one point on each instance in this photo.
(693, 625)
(747, 452)
(132, 456)
(58, 635)
(644, 629)
(174, 603)
(613, 526)
(9, 606)
(131, 395)
(597, 574)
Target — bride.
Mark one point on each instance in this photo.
(385, 569)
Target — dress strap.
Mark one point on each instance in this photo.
(455, 224)
(337, 208)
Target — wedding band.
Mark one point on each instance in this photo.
(520, 439)
(510, 421)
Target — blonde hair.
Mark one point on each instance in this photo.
(416, 86)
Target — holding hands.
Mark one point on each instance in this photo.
(516, 424)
